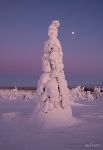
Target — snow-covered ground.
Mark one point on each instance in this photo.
(19, 130)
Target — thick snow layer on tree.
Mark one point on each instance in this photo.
(78, 93)
(52, 84)
(52, 93)
(58, 118)
(14, 94)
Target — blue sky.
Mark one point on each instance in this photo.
(23, 30)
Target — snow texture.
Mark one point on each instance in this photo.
(78, 93)
(52, 93)
(20, 131)
(14, 94)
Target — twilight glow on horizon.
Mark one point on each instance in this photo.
(23, 31)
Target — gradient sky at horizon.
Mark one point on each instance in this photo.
(23, 30)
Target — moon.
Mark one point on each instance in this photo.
(73, 32)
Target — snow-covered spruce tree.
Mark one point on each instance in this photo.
(52, 95)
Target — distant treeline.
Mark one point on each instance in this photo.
(34, 88)
(19, 88)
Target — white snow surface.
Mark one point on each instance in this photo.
(19, 128)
